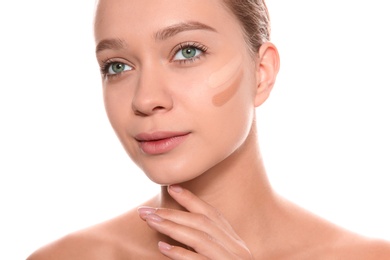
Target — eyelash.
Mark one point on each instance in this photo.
(105, 65)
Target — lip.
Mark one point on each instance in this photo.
(160, 142)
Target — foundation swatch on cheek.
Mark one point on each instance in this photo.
(228, 79)
(225, 73)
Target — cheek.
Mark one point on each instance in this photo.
(229, 92)
(113, 103)
(118, 109)
(225, 73)
(233, 104)
(226, 81)
(119, 113)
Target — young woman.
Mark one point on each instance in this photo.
(181, 82)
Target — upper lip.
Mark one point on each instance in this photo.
(155, 136)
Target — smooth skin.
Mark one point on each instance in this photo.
(215, 201)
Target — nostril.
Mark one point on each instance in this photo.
(158, 108)
(139, 113)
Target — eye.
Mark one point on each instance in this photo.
(189, 52)
(116, 68)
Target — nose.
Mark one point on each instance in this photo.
(152, 94)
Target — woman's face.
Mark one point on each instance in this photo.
(178, 81)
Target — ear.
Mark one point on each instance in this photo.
(267, 67)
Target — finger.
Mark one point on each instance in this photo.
(192, 220)
(196, 221)
(202, 242)
(194, 204)
(179, 253)
(144, 211)
(201, 223)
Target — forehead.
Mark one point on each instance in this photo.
(143, 17)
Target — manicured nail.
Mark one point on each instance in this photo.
(164, 246)
(176, 188)
(144, 211)
(154, 218)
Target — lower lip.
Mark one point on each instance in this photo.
(163, 145)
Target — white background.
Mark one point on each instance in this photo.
(324, 131)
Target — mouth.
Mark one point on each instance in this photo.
(160, 142)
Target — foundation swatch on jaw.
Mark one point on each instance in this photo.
(228, 77)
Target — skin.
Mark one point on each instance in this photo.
(227, 78)
(215, 201)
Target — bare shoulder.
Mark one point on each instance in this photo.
(355, 247)
(79, 245)
(363, 248)
(313, 237)
(115, 239)
(348, 245)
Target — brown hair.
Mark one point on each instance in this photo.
(254, 18)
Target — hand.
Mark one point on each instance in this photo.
(202, 228)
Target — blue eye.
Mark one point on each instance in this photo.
(117, 68)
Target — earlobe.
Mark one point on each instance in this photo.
(267, 68)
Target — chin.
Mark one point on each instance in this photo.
(175, 172)
(181, 170)
(171, 176)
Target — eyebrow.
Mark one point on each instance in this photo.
(172, 30)
(160, 35)
(115, 44)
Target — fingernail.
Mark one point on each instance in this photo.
(164, 246)
(176, 188)
(144, 211)
(154, 218)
